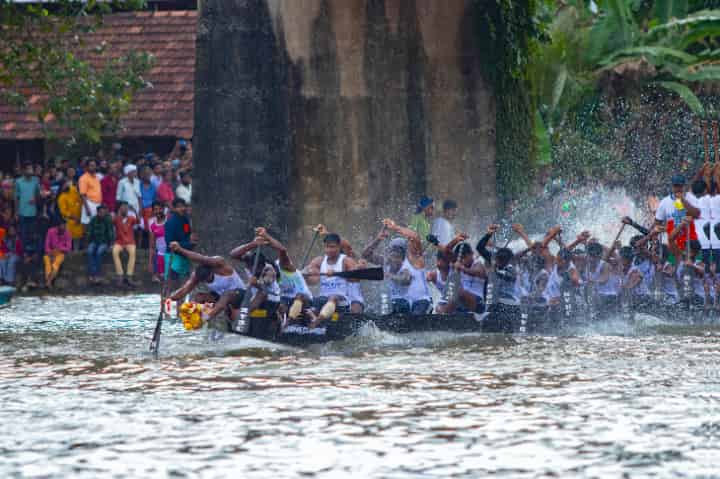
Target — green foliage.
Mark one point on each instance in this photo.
(605, 67)
(41, 54)
(685, 93)
(507, 32)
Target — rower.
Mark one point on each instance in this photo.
(600, 274)
(439, 277)
(264, 288)
(669, 283)
(634, 278)
(442, 277)
(473, 276)
(563, 275)
(355, 295)
(646, 260)
(225, 285)
(405, 269)
(504, 312)
(333, 293)
(295, 296)
(701, 290)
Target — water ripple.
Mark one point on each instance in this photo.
(82, 398)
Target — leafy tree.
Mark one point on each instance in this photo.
(624, 48)
(44, 51)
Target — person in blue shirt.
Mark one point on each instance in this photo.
(177, 229)
(27, 194)
(148, 193)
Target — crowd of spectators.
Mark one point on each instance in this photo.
(106, 203)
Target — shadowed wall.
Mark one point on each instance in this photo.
(336, 111)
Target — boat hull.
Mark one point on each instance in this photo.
(346, 325)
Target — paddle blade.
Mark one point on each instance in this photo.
(368, 274)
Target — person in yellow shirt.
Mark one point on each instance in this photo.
(70, 205)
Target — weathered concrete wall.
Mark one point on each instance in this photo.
(73, 280)
(337, 111)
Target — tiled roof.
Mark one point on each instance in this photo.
(165, 109)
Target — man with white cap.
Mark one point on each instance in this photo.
(128, 190)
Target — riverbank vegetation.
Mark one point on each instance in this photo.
(622, 91)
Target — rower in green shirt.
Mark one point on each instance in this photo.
(421, 220)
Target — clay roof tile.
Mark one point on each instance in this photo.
(166, 108)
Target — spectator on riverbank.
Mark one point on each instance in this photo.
(27, 193)
(128, 191)
(90, 191)
(124, 241)
(100, 236)
(157, 171)
(184, 189)
(10, 254)
(109, 186)
(148, 194)
(69, 203)
(157, 242)
(165, 193)
(58, 243)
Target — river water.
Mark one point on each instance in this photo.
(82, 398)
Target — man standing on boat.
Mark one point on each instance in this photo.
(673, 208)
(333, 293)
(443, 228)
(420, 221)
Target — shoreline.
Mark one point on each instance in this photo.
(73, 279)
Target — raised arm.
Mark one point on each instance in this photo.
(551, 234)
(481, 246)
(448, 248)
(286, 263)
(581, 238)
(520, 231)
(213, 261)
(369, 253)
(629, 221)
(407, 233)
(415, 249)
(240, 251)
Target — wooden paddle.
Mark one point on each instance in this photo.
(243, 325)
(155, 341)
(612, 245)
(309, 250)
